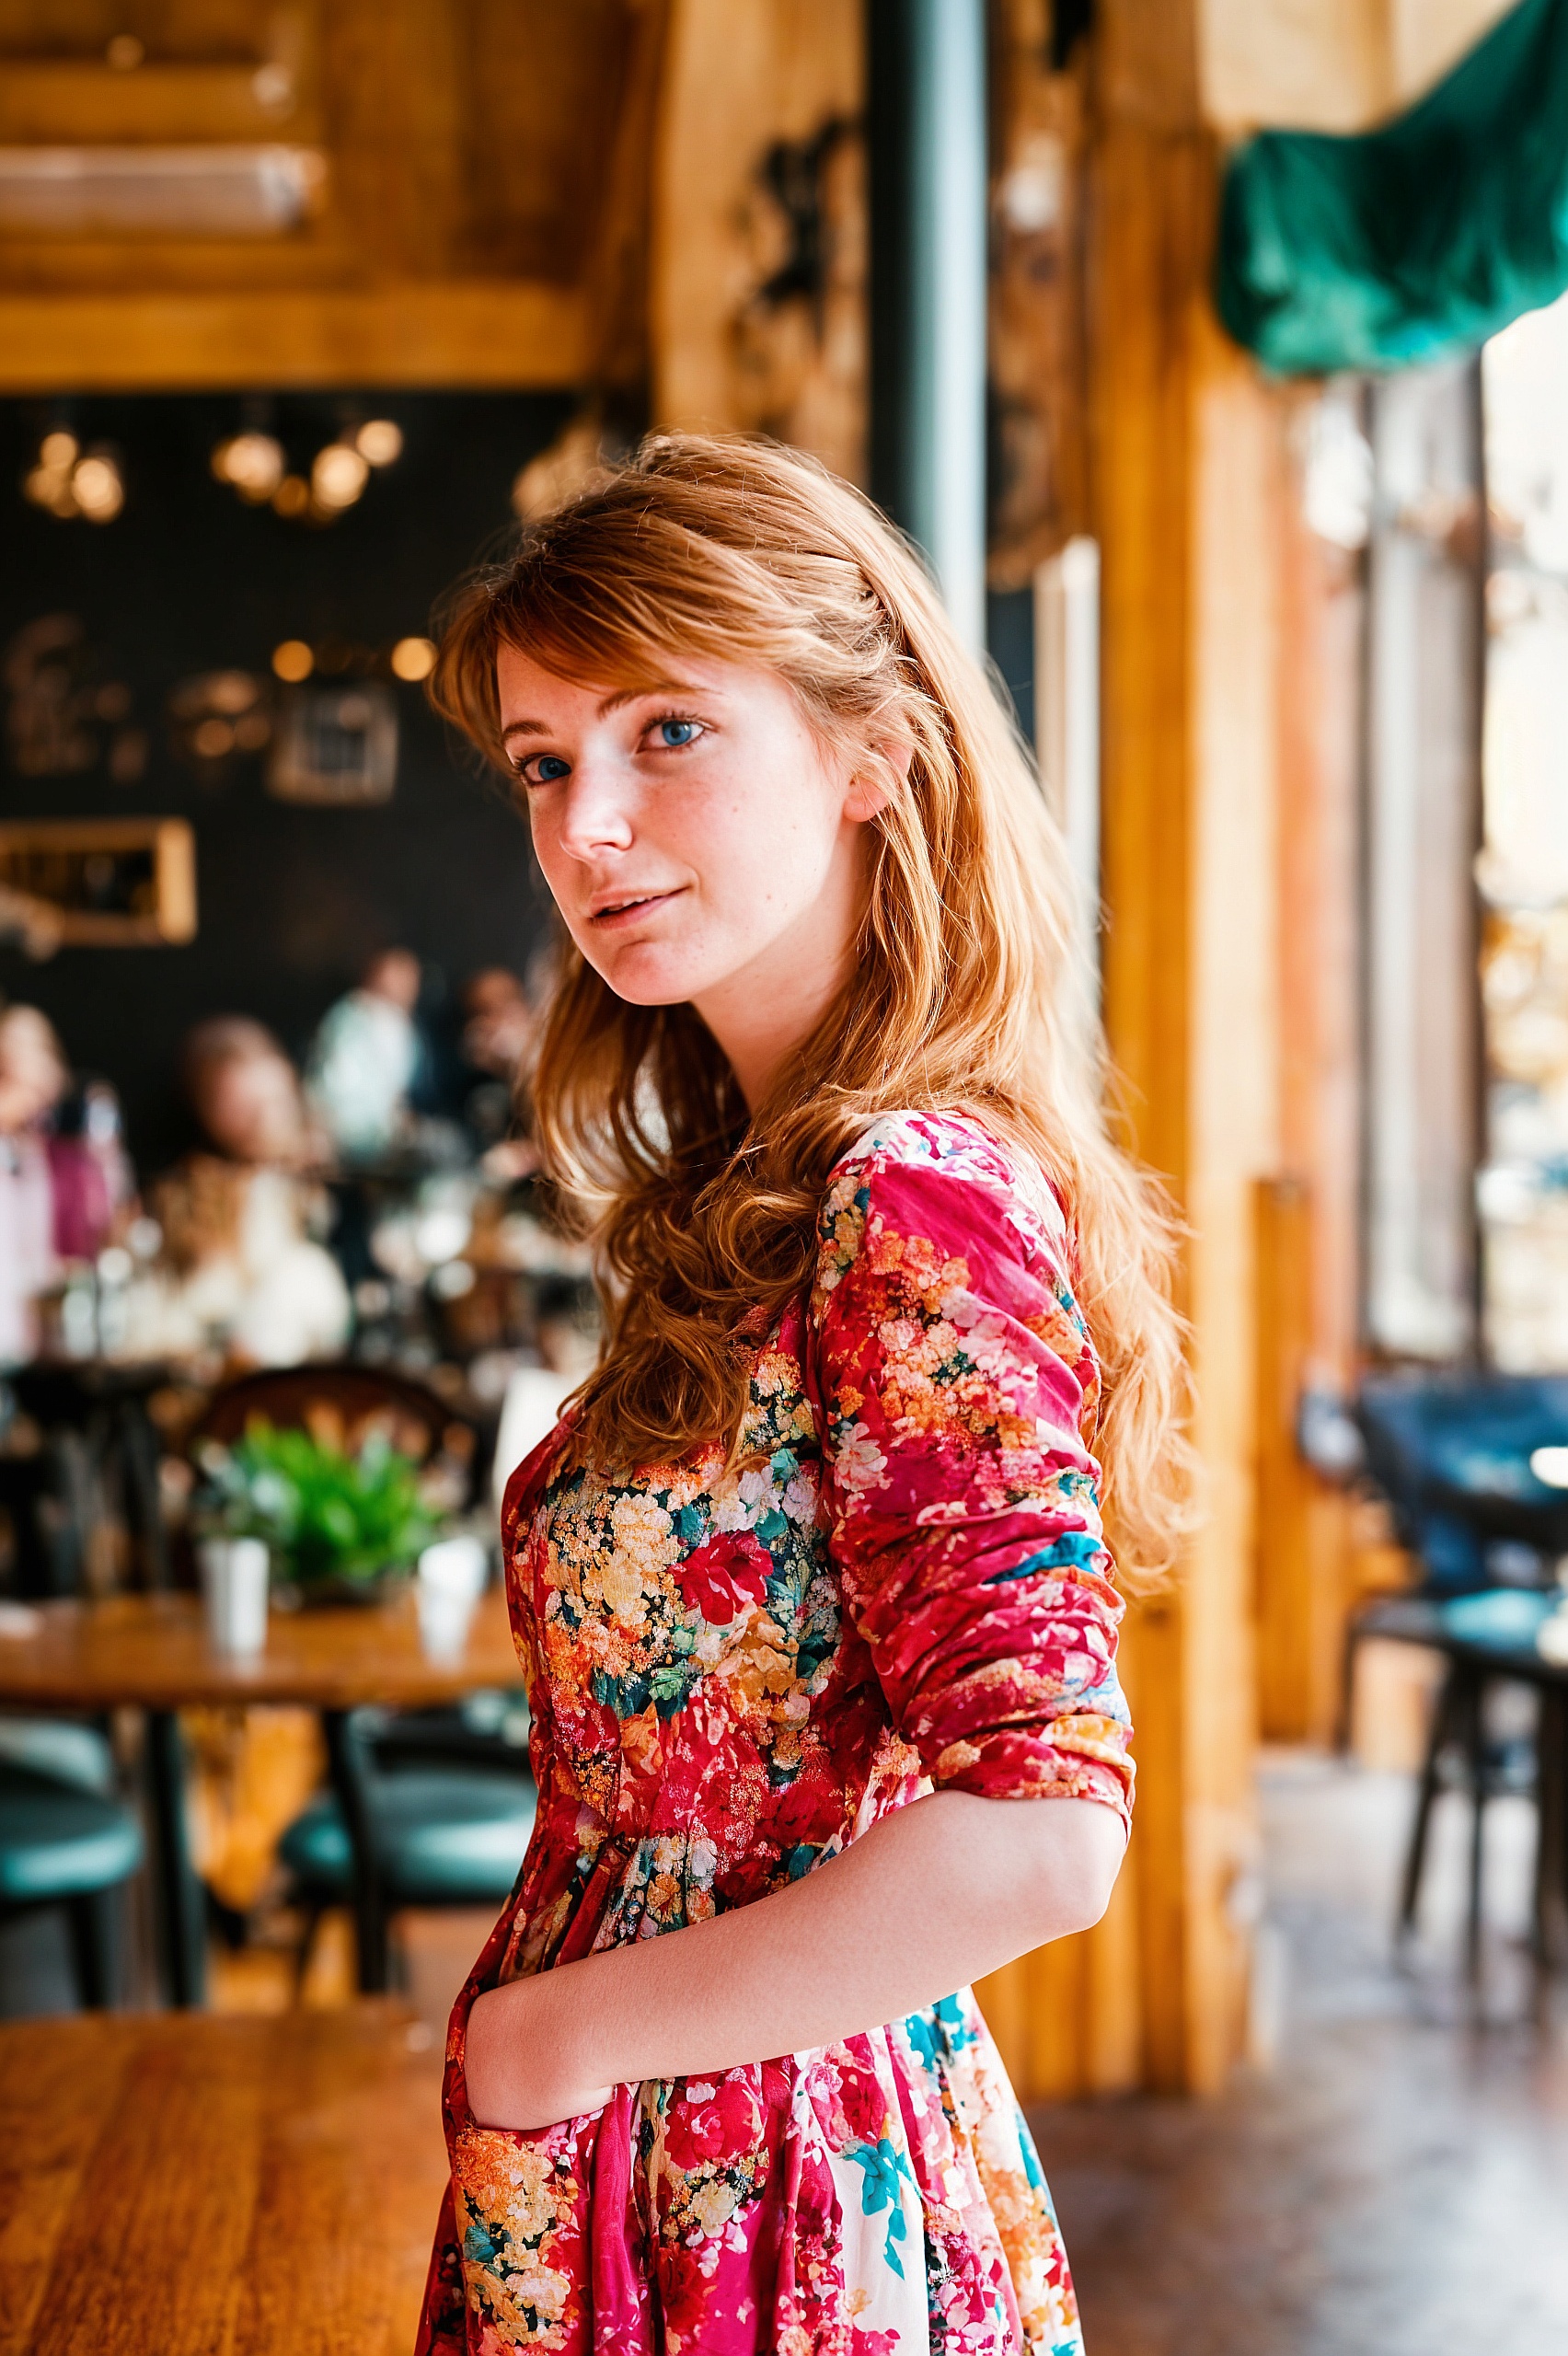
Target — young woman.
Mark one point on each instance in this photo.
(810, 1585)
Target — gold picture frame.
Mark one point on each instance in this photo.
(103, 882)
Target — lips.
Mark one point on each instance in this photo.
(625, 908)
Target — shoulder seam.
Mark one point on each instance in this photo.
(1009, 1175)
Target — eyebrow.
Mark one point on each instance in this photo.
(610, 703)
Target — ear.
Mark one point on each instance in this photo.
(872, 788)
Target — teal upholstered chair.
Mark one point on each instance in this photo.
(66, 1841)
(430, 1836)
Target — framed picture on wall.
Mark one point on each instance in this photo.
(335, 746)
(98, 883)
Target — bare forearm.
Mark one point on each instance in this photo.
(931, 1897)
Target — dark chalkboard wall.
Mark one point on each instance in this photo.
(186, 579)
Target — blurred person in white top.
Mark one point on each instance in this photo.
(32, 1080)
(364, 1059)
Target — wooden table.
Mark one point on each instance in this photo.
(175, 2185)
(151, 1652)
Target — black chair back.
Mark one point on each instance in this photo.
(1452, 1454)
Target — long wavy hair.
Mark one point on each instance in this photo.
(966, 994)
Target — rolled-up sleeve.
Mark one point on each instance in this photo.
(957, 1384)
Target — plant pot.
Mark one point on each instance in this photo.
(334, 1593)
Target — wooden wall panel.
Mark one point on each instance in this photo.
(729, 355)
(1237, 486)
(1038, 487)
(547, 86)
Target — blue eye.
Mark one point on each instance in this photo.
(550, 767)
(674, 732)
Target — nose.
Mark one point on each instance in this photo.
(597, 815)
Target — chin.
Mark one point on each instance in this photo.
(648, 971)
(644, 980)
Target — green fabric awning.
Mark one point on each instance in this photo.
(1409, 241)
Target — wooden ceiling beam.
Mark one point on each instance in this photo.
(505, 332)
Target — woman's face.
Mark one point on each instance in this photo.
(249, 1106)
(32, 1072)
(701, 844)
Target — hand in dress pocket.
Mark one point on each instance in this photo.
(518, 2076)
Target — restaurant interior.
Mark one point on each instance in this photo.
(1216, 359)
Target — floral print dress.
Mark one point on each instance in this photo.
(733, 1674)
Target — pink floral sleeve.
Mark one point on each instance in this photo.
(958, 1390)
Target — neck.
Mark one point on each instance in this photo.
(759, 1034)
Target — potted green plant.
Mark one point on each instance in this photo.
(337, 1525)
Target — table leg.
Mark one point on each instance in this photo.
(178, 1906)
(1446, 1711)
(139, 1455)
(1474, 1733)
(1552, 1827)
(351, 1780)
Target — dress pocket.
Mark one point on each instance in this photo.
(522, 2203)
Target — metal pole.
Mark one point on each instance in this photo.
(925, 70)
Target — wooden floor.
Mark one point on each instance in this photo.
(1397, 2184)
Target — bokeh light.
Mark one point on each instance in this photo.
(380, 441)
(413, 658)
(337, 477)
(293, 661)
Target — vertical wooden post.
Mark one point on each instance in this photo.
(1188, 489)
(1307, 1218)
(1186, 493)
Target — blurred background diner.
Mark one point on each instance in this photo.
(1216, 357)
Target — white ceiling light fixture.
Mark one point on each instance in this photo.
(194, 191)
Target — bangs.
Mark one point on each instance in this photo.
(609, 591)
(577, 632)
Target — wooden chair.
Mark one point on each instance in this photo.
(429, 1808)
(343, 1402)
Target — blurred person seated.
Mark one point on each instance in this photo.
(64, 1179)
(242, 1269)
(364, 1060)
(94, 1187)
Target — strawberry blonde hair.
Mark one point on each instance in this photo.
(967, 995)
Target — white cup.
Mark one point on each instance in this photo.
(233, 1584)
(450, 1580)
